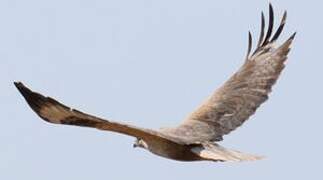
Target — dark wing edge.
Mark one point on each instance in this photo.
(234, 102)
(55, 112)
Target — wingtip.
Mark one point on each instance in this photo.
(271, 9)
(271, 6)
(280, 28)
(249, 45)
(261, 35)
(249, 37)
(293, 36)
(17, 83)
(270, 25)
(34, 100)
(286, 45)
(22, 88)
(284, 17)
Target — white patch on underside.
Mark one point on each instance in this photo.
(217, 153)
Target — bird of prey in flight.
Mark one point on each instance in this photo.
(196, 138)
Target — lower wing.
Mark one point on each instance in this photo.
(55, 112)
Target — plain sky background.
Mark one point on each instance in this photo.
(150, 63)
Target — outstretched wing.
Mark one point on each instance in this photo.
(54, 112)
(244, 92)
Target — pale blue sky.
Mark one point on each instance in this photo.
(150, 63)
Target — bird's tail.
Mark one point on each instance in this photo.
(215, 152)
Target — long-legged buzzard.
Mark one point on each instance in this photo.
(225, 110)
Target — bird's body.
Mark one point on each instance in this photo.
(196, 137)
(196, 152)
(180, 152)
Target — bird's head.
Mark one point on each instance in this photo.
(140, 143)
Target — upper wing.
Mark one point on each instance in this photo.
(243, 93)
(54, 112)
